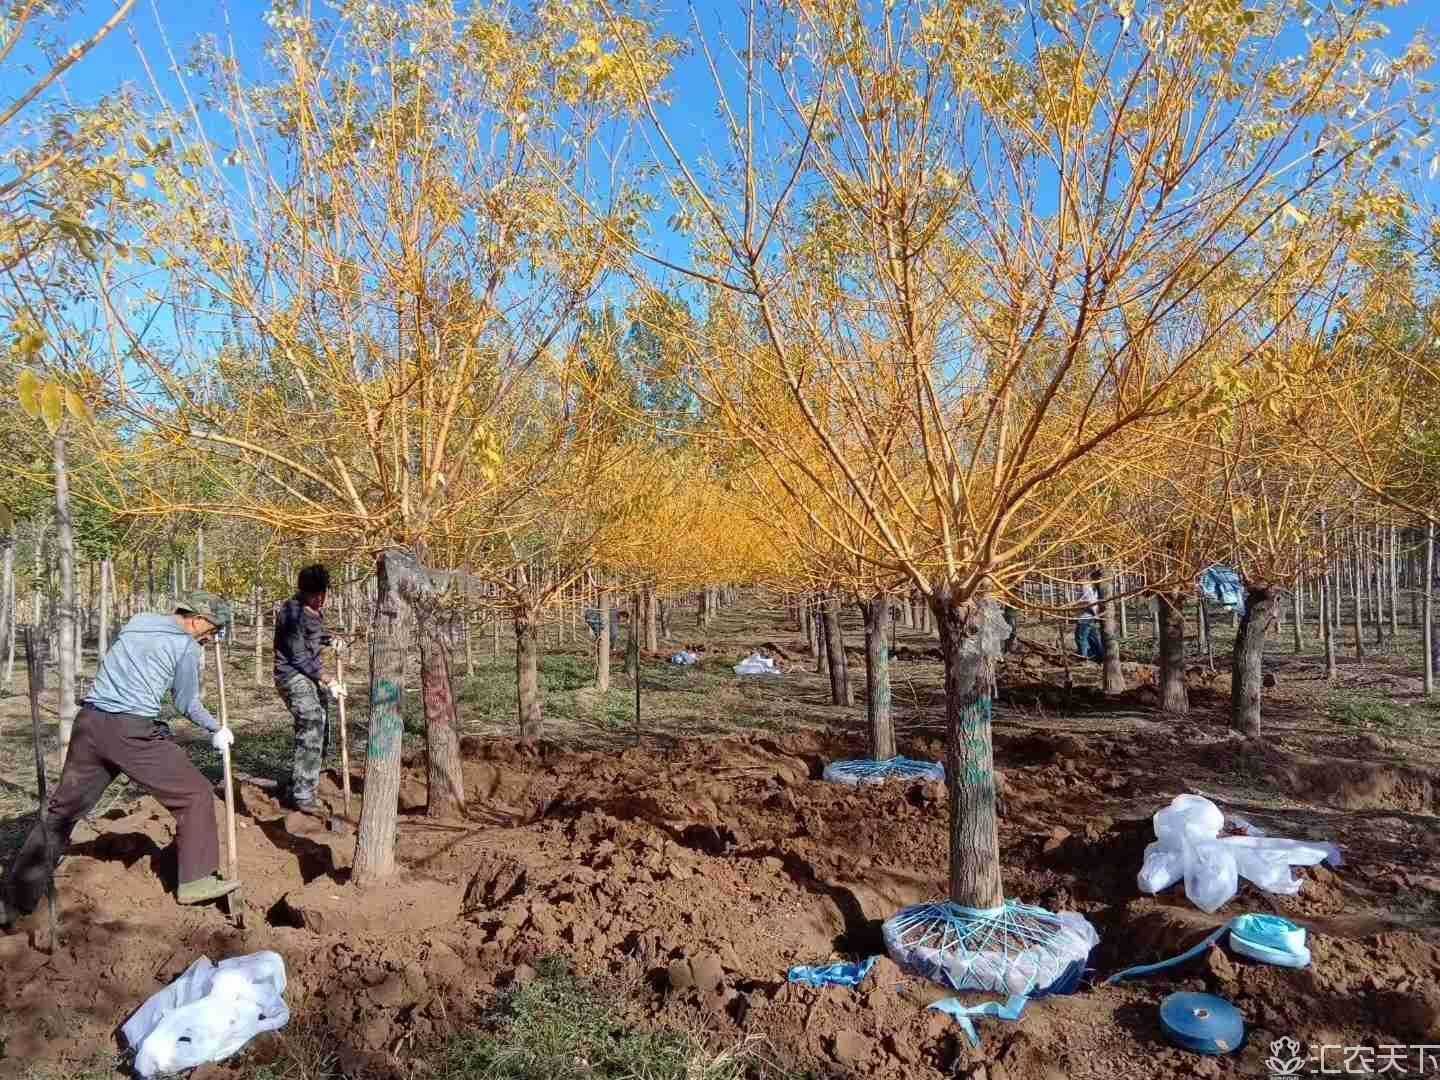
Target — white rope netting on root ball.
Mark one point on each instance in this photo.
(1012, 949)
(859, 772)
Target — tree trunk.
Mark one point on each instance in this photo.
(1297, 601)
(1393, 570)
(1170, 609)
(375, 840)
(969, 760)
(652, 623)
(1112, 680)
(840, 693)
(527, 671)
(69, 659)
(1121, 604)
(1413, 572)
(9, 614)
(664, 608)
(877, 678)
(200, 557)
(807, 622)
(1357, 619)
(1245, 671)
(1429, 624)
(702, 603)
(102, 639)
(445, 794)
(259, 636)
(822, 645)
(602, 644)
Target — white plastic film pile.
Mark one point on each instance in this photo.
(757, 664)
(1188, 846)
(1014, 949)
(208, 1013)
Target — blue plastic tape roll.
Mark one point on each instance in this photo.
(1202, 1023)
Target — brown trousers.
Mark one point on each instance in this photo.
(102, 746)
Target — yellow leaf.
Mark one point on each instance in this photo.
(27, 389)
(77, 405)
(52, 406)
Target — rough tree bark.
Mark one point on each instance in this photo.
(1245, 671)
(840, 692)
(602, 644)
(68, 644)
(970, 761)
(445, 782)
(1112, 679)
(1170, 609)
(807, 625)
(876, 612)
(375, 840)
(527, 670)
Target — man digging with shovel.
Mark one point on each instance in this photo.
(119, 730)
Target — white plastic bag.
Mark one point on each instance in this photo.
(1266, 861)
(1161, 868)
(756, 664)
(685, 658)
(1188, 818)
(1211, 875)
(209, 1013)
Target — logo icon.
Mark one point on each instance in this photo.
(1284, 1059)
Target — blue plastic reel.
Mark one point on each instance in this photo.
(1202, 1023)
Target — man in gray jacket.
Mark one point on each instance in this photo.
(118, 730)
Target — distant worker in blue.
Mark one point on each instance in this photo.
(1088, 642)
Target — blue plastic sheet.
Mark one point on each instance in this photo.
(1011, 1009)
(841, 974)
(1223, 585)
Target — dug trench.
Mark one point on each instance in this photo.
(689, 881)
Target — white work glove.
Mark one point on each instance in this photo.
(335, 689)
(222, 739)
(340, 645)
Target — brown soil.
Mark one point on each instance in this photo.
(705, 873)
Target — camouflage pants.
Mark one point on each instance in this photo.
(312, 730)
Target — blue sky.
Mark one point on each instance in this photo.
(154, 24)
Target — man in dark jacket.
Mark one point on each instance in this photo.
(300, 679)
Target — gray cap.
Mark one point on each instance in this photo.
(205, 604)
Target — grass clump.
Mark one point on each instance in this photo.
(1367, 712)
(558, 1028)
